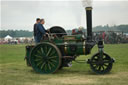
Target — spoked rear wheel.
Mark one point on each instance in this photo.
(101, 65)
(45, 58)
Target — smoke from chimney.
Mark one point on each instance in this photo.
(87, 3)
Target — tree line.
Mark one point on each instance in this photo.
(25, 33)
(15, 33)
(123, 28)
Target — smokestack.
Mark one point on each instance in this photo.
(89, 22)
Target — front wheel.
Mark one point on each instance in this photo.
(101, 65)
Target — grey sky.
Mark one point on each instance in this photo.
(66, 13)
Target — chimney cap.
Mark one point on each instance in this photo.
(88, 8)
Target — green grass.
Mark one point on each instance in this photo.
(13, 69)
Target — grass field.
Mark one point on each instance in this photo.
(13, 69)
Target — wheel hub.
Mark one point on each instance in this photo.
(45, 58)
(100, 62)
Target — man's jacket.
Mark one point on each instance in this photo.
(40, 32)
(34, 29)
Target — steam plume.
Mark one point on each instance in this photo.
(87, 3)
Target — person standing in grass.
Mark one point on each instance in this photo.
(40, 30)
(35, 28)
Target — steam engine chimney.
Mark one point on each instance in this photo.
(89, 22)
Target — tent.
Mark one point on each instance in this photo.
(8, 37)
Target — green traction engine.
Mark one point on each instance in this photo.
(58, 50)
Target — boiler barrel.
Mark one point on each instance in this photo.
(70, 48)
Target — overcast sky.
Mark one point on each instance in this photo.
(66, 13)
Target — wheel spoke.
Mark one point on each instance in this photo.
(103, 68)
(94, 62)
(99, 68)
(52, 53)
(38, 51)
(38, 56)
(52, 57)
(38, 59)
(48, 52)
(53, 60)
(106, 61)
(51, 64)
(46, 49)
(105, 65)
(43, 65)
(42, 50)
(39, 63)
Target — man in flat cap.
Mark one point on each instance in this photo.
(40, 30)
(35, 28)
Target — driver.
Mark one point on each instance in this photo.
(80, 30)
(40, 30)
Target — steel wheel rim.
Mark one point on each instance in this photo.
(45, 58)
